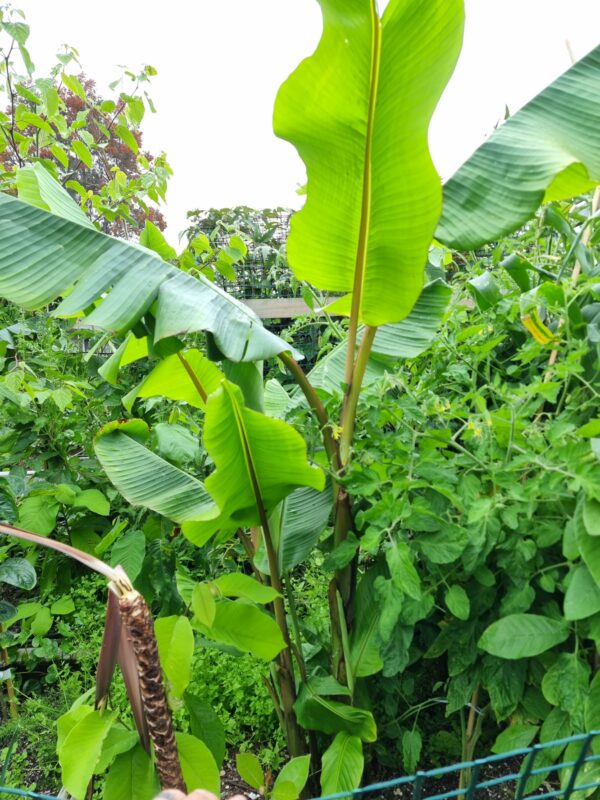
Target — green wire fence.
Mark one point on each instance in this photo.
(529, 773)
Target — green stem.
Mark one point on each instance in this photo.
(323, 310)
(575, 243)
(272, 690)
(353, 392)
(337, 648)
(285, 667)
(342, 585)
(296, 626)
(343, 580)
(249, 550)
(312, 739)
(10, 689)
(345, 644)
(314, 401)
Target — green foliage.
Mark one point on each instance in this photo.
(241, 702)
(80, 746)
(206, 725)
(251, 478)
(342, 764)
(175, 648)
(522, 635)
(263, 271)
(167, 489)
(89, 143)
(94, 261)
(250, 770)
(430, 545)
(33, 762)
(353, 227)
(503, 163)
(131, 777)
(485, 482)
(292, 779)
(199, 768)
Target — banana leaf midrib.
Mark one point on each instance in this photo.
(367, 188)
(247, 451)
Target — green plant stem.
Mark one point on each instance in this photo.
(468, 740)
(285, 667)
(594, 215)
(338, 667)
(342, 507)
(249, 550)
(297, 649)
(289, 592)
(414, 710)
(342, 582)
(471, 723)
(341, 525)
(343, 511)
(323, 310)
(353, 392)
(457, 446)
(314, 401)
(345, 645)
(270, 686)
(10, 688)
(473, 734)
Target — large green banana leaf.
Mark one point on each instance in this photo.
(145, 479)
(48, 250)
(258, 459)
(549, 150)
(358, 112)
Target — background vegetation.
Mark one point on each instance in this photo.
(475, 481)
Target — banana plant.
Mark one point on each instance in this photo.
(358, 112)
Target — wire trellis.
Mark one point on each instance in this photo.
(264, 272)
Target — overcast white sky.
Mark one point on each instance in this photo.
(220, 63)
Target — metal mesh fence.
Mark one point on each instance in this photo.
(264, 272)
(562, 768)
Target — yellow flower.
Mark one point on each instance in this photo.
(336, 431)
